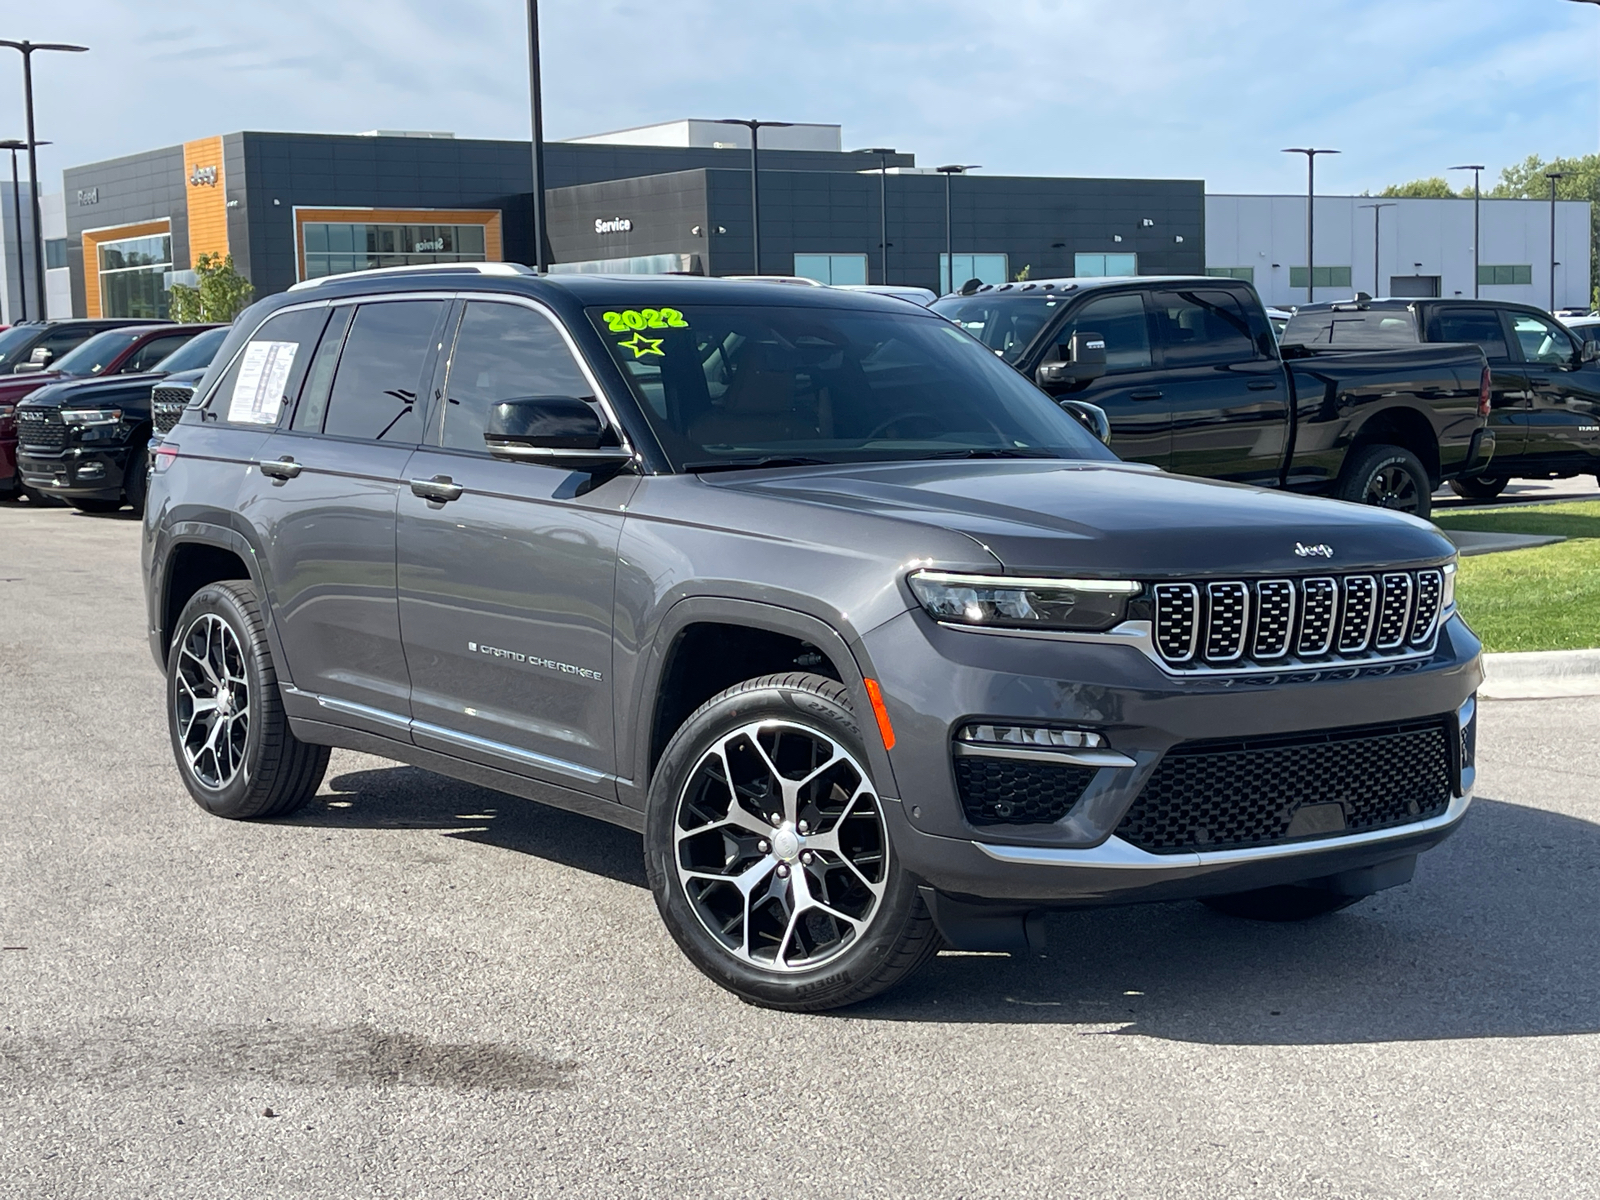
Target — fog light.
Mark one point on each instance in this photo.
(91, 471)
(1031, 735)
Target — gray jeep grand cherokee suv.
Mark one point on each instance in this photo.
(876, 647)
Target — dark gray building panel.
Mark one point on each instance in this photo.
(140, 187)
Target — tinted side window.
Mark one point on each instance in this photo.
(1478, 325)
(59, 341)
(266, 372)
(1121, 319)
(152, 352)
(1201, 327)
(1541, 341)
(319, 378)
(375, 388)
(504, 352)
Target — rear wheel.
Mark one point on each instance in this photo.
(95, 506)
(1388, 477)
(768, 851)
(229, 732)
(1280, 904)
(136, 480)
(1479, 487)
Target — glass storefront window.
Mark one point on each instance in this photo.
(1099, 266)
(134, 274)
(838, 269)
(985, 268)
(336, 247)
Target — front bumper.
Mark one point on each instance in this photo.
(935, 679)
(77, 472)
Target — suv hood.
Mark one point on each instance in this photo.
(109, 389)
(1112, 519)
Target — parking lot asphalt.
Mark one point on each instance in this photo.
(420, 988)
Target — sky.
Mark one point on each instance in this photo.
(1207, 89)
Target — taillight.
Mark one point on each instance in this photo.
(1483, 393)
(165, 453)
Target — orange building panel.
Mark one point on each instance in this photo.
(91, 255)
(208, 198)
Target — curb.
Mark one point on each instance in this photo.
(1540, 674)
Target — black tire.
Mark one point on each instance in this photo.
(95, 506)
(1479, 487)
(263, 771)
(136, 478)
(692, 812)
(1280, 904)
(1388, 477)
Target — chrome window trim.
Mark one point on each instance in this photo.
(1114, 854)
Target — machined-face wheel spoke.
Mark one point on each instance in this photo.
(781, 846)
(211, 701)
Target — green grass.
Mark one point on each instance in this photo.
(1546, 598)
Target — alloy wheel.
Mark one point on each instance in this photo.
(780, 846)
(1393, 487)
(212, 701)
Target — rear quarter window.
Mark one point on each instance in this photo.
(1355, 328)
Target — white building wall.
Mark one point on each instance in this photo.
(713, 133)
(58, 280)
(1429, 238)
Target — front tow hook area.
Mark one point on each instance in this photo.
(986, 927)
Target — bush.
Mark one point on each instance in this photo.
(221, 294)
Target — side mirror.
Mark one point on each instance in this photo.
(42, 355)
(558, 431)
(1091, 416)
(1085, 362)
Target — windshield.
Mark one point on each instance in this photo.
(197, 352)
(98, 353)
(829, 384)
(1006, 324)
(1352, 327)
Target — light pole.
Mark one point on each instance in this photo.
(755, 128)
(536, 103)
(1377, 217)
(1311, 214)
(883, 205)
(26, 49)
(1594, 2)
(949, 241)
(1477, 200)
(1552, 176)
(16, 215)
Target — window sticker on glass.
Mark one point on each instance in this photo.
(644, 318)
(641, 345)
(258, 392)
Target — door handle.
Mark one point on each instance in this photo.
(283, 468)
(1148, 394)
(1263, 385)
(440, 488)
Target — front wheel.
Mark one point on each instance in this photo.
(1479, 487)
(768, 852)
(1388, 477)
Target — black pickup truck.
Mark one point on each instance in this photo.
(1192, 379)
(1545, 390)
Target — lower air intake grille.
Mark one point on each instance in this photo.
(1229, 795)
(1001, 791)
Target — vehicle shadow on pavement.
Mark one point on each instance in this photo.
(1497, 936)
(411, 798)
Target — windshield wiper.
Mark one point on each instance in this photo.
(995, 452)
(751, 464)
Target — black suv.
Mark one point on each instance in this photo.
(873, 643)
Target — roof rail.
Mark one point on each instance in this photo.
(463, 268)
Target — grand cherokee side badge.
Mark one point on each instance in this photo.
(1320, 550)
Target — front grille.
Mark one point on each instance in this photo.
(1005, 791)
(40, 429)
(1230, 795)
(167, 402)
(1237, 624)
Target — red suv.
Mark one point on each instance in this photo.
(37, 352)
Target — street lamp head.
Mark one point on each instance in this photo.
(29, 47)
(752, 123)
(1311, 150)
(876, 150)
(1479, 166)
(957, 168)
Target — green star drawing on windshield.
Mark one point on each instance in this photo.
(641, 345)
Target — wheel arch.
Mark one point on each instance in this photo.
(198, 554)
(677, 678)
(1401, 426)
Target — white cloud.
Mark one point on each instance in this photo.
(1191, 88)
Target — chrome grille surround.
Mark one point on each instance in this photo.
(1227, 620)
(1394, 613)
(1275, 605)
(1320, 603)
(1425, 614)
(1177, 620)
(1359, 612)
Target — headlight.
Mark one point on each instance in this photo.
(1447, 598)
(91, 416)
(1009, 602)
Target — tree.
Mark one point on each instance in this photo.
(221, 294)
(1581, 181)
(1433, 188)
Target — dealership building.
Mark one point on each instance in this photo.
(677, 197)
